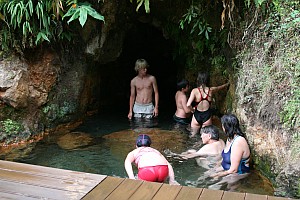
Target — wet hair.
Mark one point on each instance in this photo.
(212, 130)
(143, 140)
(203, 79)
(140, 64)
(182, 84)
(231, 125)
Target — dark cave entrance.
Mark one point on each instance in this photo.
(142, 41)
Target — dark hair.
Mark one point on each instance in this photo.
(143, 140)
(203, 79)
(231, 126)
(212, 130)
(182, 84)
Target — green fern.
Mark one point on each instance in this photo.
(140, 3)
(81, 11)
(28, 23)
(194, 20)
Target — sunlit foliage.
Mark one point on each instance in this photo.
(28, 23)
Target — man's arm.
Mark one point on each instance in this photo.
(202, 152)
(184, 105)
(191, 98)
(194, 155)
(156, 96)
(131, 99)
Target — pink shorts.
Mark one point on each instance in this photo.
(154, 173)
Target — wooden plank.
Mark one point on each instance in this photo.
(277, 198)
(233, 196)
(29, 182)
(9, 196)
(18, 189)
(49, 182)
(189, 193)
(49, 171)
(125, 189)
(255, 197)
(105, 188)
(167, 191)
(146, 191)
(208, 194)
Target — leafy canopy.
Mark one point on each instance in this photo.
(28, 23)
(81, 11)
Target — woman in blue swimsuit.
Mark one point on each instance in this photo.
(236, 154)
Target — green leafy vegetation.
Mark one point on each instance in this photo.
(196, 39)
(28, 23)
(140, 3)
(81, 11)
(11, 131)
(273, 65)
(199, 25)
(55, 111)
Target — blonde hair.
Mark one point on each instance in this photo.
(140, 64)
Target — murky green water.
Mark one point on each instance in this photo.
(101, 144)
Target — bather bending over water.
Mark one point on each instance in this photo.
(152, 165)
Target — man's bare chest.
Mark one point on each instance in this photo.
(141, 85)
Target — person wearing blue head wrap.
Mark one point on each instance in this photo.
(152, 165)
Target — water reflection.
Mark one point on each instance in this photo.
(101, 144)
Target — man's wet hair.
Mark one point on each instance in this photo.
(140, 64)
(182, 84)
(212, 130)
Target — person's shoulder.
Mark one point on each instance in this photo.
(194, 90)
(180, 94)
(221, 143)
(240, 141)
(134, 79)
(154, 150)
(131, 154)
(151, 76)
(135, 150)
(240, 138)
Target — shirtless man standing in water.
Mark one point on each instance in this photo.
(183, 113)
(141, 90)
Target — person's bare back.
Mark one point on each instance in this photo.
(182, 110)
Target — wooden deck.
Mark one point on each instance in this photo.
(31, 182)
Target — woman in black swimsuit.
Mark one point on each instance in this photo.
(202, 96)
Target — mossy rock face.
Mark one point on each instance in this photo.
(263, 164)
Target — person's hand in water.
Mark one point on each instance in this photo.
(187, 154)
